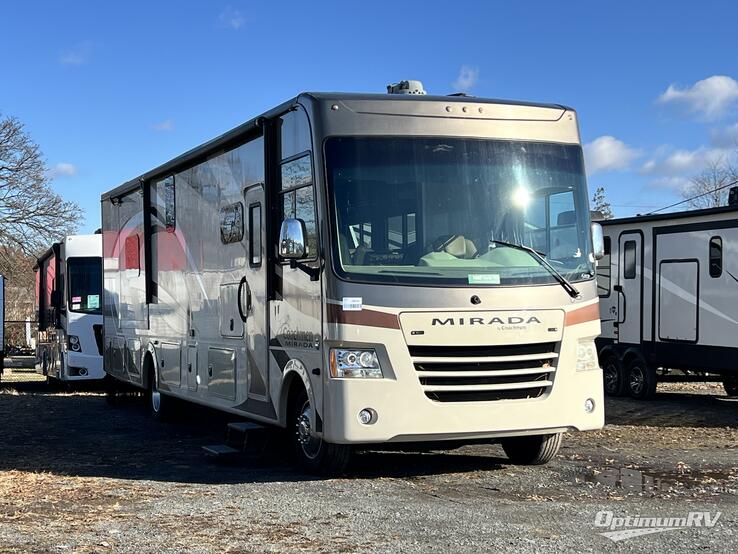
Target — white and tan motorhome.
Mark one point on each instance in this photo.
(668, 301)
(69, 310)
(366, 269)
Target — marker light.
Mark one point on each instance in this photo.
(589, 405)
(355, 363)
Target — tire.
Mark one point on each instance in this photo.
(640, 379)
(731, 385)
(613, 375)
(534, 450)
(313, 454)
(159, 406)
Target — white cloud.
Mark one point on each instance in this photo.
(607, 153)
(62, 169)
(468, 77)
(709, 98)
(232, 18)
(166, 125)
(78, 55)
(679, 163)
(676, 184)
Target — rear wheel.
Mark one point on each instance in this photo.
(731, 385)
(312, 453)
(532, 450)
(158, 405)
(641, 379)
(612, 373)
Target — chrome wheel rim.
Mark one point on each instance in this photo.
(309, 443)
(636, 380)
(611, 378)
(155, 398)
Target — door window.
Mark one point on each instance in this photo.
(629, 259)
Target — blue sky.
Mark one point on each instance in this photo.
(110, 90)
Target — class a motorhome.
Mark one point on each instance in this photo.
(364, 269)
(668, 288)
(69, 310)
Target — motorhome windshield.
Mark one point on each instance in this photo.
(439, 210)
(85, 284)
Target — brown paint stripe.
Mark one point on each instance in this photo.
(582, 315)
(371, 318)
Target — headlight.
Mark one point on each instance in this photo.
(74, 343)
(586, 356)
(355, 363)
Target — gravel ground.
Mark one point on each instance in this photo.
(79, 476)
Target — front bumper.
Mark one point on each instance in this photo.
(92, 364)
(406, 414)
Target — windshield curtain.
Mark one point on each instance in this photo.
(85, 284)
(437, 210)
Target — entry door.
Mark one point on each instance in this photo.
(630, 280)
(253, 293)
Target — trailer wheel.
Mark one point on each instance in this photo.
(641, 379)
(312, 453)
(731, 385)
(613, 375)
(532, 450)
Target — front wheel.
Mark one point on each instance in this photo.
(641, 379)
(731, 385)
(312, 453)
(532, 450)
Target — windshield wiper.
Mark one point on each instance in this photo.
(540, 258)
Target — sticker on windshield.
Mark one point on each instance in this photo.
(76, 299)
(76, 306)
(93, 301)
(351, 304)
(483, 278)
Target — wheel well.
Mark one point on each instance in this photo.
(292, 386)
(606, 352)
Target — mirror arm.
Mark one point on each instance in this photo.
(312, 272)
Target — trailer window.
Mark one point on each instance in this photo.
(604, 271)
(629, 259)
(255, 235)
(716, 257)
(170, 209)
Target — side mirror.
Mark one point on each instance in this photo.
(292, 239)
(598, 241)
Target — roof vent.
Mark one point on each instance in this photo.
(733, 197)
(406, 87)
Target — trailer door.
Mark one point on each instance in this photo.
(252, 290)
(630, 289)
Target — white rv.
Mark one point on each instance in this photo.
(69, 310)
(668, 287)
(365, 269)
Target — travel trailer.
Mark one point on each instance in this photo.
(69, 310)
(366, 269)
(668, 288)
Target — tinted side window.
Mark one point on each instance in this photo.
(604, 271)
(629, 259)
(716, 257)
(255, 235)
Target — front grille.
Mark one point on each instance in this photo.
(98, 330)
(485, 373)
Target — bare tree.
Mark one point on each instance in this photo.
(709, 188)
(601, 204)
(32, 215)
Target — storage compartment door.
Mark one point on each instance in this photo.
(678, 300)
